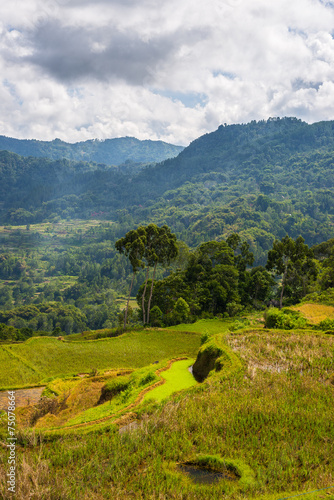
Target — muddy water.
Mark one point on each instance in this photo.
(203, 476)
(23, 397)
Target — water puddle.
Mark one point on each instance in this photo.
(204, 476)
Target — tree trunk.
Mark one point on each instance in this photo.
(283, 286)
(151, 293)
(127, 305)
(143, 296)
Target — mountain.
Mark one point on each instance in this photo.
(263, 179)
(110, 151)
(239, 150)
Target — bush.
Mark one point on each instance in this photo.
(156, 316)
(327, 325)
(233, 309)
(284, 319)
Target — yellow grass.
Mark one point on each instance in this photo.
(314, 313)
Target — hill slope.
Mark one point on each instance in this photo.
(110, 151)
(263, 179)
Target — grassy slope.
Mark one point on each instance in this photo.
(275, 417)
(40, 357)
(314, 313)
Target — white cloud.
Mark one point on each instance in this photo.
(82, 69)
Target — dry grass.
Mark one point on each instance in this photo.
(80, 395)
(277, 351)
(314, 313)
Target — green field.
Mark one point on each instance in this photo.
(266, 407)
(176, 378)
(39, 358)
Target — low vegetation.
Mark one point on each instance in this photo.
(264, 411)
(39, 358)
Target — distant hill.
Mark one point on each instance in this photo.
(243, 150)
(263, 179)
(110, 151)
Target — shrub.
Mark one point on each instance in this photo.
(156, 316)
(205, 337)
(327, 324)
(233, 309)
(284, 319)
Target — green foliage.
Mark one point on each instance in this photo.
(215, 356)
(46, 317)
(150, 246)
(325, 297)
(205, 336)
(156, 316)
(283, 319)
(292, 260)
(10, 334)
(113, 387)
(327, 324)
(124, 150)
(147, 378)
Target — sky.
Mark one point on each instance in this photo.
(168, 70)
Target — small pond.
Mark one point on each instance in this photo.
(204, 476)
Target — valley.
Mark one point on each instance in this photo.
(119, 274)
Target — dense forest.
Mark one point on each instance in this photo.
(227, 198)
(119, 151)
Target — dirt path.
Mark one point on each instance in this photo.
(23, 397)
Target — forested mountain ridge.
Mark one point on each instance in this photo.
(263, 179)
(244, 149)
(110, 151)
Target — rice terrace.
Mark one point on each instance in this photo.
(262, 419)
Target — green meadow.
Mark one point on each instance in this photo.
(40, 358)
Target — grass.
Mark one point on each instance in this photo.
(82, 395)
(314, 313)
(40, 358)
(177, 378)
(275, 420)
(211, 326)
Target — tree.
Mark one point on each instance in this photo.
(259, 284)
(133, 246)
(293, 260)
(153, 244)
(165, 250)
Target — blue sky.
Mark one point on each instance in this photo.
(168, 70)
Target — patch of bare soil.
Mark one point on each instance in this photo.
(23, 397)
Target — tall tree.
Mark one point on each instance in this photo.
(293, 260)
(165, 250)
(152, 232)
(133, 246)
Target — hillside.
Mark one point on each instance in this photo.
(263, 179)
(259, 424)
(110, 151)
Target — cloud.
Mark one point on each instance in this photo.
(71, 54)
(160, 69)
